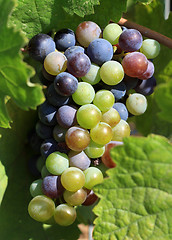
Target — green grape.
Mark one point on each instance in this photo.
(72, 179)
(93, 176)
(77, 138)
(101, 133)
(122, 129)
(111, 117)
(88, 116)
(93, 76)
(64, 215)
(41, 208)
(136, 103)
(40, 163)
(57, 162)
(55, 63)
(112, 32)
(150, 48)
(84, 94)
(111, 72)
(94, 150)
(75, 198)
(36, 188)
(44, 172)
(104, 100)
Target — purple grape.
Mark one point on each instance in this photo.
(47, 147)
(65, 84)
(46, 114)
(54, 98)
(66, 116)
(100, 51)
(78, 64)
(72, 50)
(130, 40)
(43, 130)
(79, 160)
(64, 39)
(146, 87)
(52, 187)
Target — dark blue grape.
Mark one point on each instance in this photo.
(47, 76)
(146, 87)
(62, 147)
(122, 110)
(130, 40)
(40, 46)
(59, 133)
(52, 187)
(78, 64)
(47, 114)
(43, 80)
(118, 90)
(66, 116)
(54, 98)
(43, 130)
(35, 142)
(47, 147)
(130, 82)
(64, 39)
(72, 50)
(32, 166)
(65, 84)
(100, 51)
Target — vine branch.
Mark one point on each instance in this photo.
(147, 32)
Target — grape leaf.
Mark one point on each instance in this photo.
(14, 73)
(153, 120)
(14, 155)
(136, 199)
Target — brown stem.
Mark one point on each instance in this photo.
(147, 32)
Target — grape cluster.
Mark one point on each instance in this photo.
(95, 80)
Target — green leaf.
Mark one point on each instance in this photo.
(14, 73)
(15, 222)
(136, 199)
(157, 119)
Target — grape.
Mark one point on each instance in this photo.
(41, 208)
(55, 63)
(101, 133)
(93, 75)
(122, 110)
(64, 215)
(149, 71)
(73, 179)
(150, 48)
(86, 32)
(56, 99)
(111, 72)
(52, 187)
(93, 176)
(100, 51)
(84, 94)
(59, 133)
(75, 198)
(45, 172)
(79, 160)
(136, 104)
(64, 38)
(78, 64)
(47, 76)
(91, 198)
(47, 113)
(121, 130)
(40, 46)
(130, 82)
(146, 88)
(47, 147)
(43, 130)
(118, 90)
(36, 188)
(62, 147)
(35, 142)
(104, 100)
(111, 117)
(106, 158)
(72, 50)
(94, 150)
(135, 64)
(130, 40)
(57, 162)
(65, 84)
(66, 116)
(88, 116)
(40, 163)
(77, 138)
(112, 32)
(32, 166)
